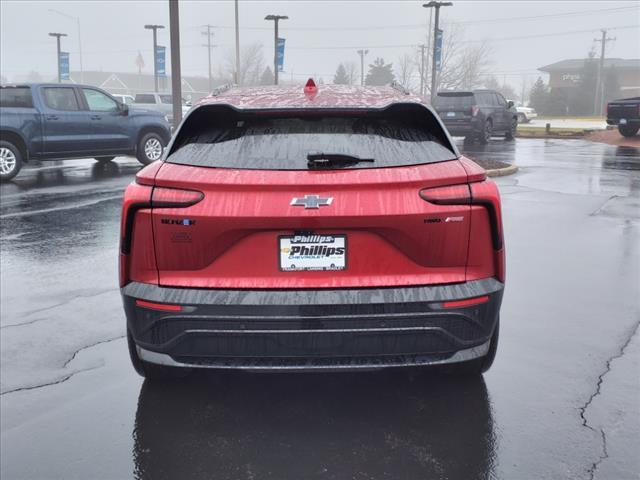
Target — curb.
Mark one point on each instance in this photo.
(501, 172)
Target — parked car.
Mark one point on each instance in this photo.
(625, 113)
(160, 102)
(477, 115)
(315, 229)
(125, 99)
(525, 114)
(62, 121)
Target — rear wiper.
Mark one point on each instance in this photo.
(320, 159)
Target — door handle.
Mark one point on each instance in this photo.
(96, 117)
(52, 117)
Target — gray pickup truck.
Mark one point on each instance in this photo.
(159, 102)
(54, 121)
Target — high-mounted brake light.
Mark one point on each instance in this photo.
(474, 110)
(310, 89)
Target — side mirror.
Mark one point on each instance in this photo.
(509, 104)
(124, 108)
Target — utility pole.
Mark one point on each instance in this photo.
(421, 47)
(209, 46)
(176, 74)
(362, 53)
(436, 5)
(77, 19)
(276, 19)
(599, 97)
(426, 63)
(237, 75)
(58, 35)
(155, 53)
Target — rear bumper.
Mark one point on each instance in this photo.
(461, 129)
(312, 329)
(629, 121)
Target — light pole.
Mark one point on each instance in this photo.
(77, 19)
(436, 5)
(209, 46)
(176, 73)
(362, 53)
(155, 53)
(237, 75)
(276, 19)
(58, 35)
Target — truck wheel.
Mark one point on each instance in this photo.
(104, 159)
(628, 130)
(486, 133)
(522, 118)
(150, 148)
(152, 371)
(10, 160)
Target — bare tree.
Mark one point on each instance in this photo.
(406, 68)
(351, 68)
(251, 65)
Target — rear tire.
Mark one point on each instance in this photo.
(628, 130)
(104, 159)
(511, 133)
(150, 148)
(10, 160)
(522, 118)
(485, 135)
(481, 365)
(152, 371)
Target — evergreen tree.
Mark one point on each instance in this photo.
(267, 77)
(341, 78)
(539, 96)
(380, 73)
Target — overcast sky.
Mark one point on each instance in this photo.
(319, 35)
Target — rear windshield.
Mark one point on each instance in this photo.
(457, 99)
(19, 97)
(283, 141)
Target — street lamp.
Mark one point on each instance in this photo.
(77, 19)
(436, 5)
(58, 35)
(155, 53)
(362, 53)
(276, 19)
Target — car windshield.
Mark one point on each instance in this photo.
(283, 143)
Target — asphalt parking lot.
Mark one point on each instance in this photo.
(561, 401)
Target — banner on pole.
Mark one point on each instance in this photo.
(63, 62)
(281, 54)
(438, 51)
(160, 61)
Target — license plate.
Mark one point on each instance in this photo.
(312, 252)
(451, 114)
(623, 121)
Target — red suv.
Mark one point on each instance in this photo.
(320, 228)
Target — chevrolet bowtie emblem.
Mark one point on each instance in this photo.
(311, 201)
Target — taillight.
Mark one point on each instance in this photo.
(474, 110)
(165, 307)
(608, 109)
(174, 197)
(467, 302)
(451, 195)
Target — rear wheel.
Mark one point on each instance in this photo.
(481, 365)
(486, 133)
(10, 160)
(104, 159)
(522, 118)
(151, 370)
(150, 148)
(511, 133)
(628, 130)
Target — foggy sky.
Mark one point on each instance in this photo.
(113, 33)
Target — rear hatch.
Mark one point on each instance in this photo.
(264, 216)
(455, 107)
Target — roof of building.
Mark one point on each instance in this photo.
(576, 64)
(327, 96)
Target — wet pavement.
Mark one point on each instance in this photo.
(561, 401)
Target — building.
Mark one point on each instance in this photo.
(569, 74)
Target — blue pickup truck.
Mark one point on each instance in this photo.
(56, 121)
